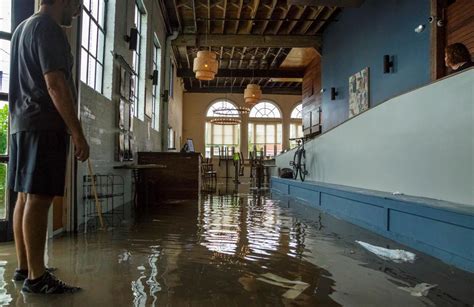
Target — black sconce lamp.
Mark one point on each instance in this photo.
(132, 39)
(387, 64)
(334, 93)
(154, 77)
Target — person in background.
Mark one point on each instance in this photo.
(457, 57)
(42, 106)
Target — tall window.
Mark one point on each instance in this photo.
(265, 129)
(296, 125)
(221, 139)
(139, 13)
(93, 43)
(156, 88)
(5, 36)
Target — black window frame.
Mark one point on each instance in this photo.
(101, 29)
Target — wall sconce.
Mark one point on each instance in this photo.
(334, 93)
(387, 64)
(154, 77)
(132, 39)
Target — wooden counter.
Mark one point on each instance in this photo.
(180, 179)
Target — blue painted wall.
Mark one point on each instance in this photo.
(360, 38)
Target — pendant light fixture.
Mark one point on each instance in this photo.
(252, 94)
(205, 65)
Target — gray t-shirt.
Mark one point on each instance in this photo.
(39, 45)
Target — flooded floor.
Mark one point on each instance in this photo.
(237, 247)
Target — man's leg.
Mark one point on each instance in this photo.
(18, 231)
(35, 222)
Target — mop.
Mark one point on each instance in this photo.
(98, 207)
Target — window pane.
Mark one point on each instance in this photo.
(260, 134)
(85, 30)
(95, 9)
(270, 137)
(98, 84)
(3, 190)
(228, 134)
(87, 4)
(279, 134)
(91, 70)
(6, 16)
(4, 65)
(251, 134)
(102, 14)
(3, 127)
(100, 47)
(84, 66)
(93, 40)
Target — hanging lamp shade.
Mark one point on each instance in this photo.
(205, 65)
(252, 94)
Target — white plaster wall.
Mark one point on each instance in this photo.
(420, 143)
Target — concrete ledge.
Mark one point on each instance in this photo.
(441, 229)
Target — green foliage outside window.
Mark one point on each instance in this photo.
(3, 150)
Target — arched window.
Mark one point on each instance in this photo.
(265, 129)
(296, 125)
(265, 109)
(221, 139)
(296, 113)
(224, 108)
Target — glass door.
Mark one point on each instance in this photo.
(5, 37)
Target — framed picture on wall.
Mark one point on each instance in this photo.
(359, 92)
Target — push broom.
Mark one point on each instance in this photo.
(98, 206)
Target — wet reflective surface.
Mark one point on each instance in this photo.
(236, 247)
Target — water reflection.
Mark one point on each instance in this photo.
(5, 298)
(255, 234)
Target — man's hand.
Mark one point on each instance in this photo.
(81, 148)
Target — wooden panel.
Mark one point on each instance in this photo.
(179, 180)
(312, 97)
(460, 24)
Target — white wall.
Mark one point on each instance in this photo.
(420, 143)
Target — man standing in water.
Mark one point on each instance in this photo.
(42, 107)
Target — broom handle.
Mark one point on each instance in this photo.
(94, 191)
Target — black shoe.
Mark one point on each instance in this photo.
(48, 284)
(21, 275)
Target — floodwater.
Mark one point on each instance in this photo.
(237, 247)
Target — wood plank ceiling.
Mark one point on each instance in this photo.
(252, 38)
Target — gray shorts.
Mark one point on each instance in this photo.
(37, 162)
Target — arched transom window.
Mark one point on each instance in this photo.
(265, 129)
(296, 113)
(221, 139)
(296, 125)
(265, 109)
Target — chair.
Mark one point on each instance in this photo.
(208, 171)
(110, 193)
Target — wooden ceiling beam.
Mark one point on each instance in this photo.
(231, 40)
(328, 3)
(254, 8)
(247, 73)
(239, 13)
(298, 16)
(240, 89)
(280, 22)
(269, 15)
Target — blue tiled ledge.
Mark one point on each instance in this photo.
(441, 229)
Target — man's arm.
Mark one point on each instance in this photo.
(61, 95)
